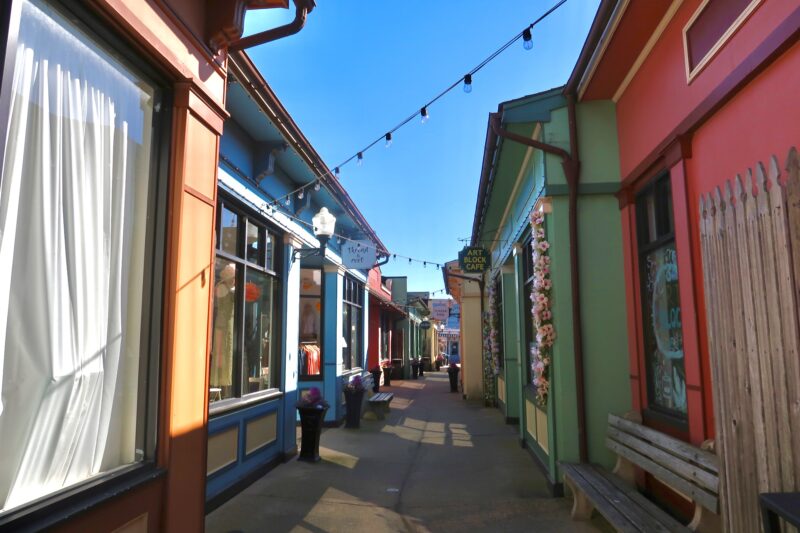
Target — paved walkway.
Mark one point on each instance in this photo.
(437, 463)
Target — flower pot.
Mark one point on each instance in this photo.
(421, 369)
(414, 370)
(452, 373)
(311, 427)
(387, 376)
(353, 402)
(376, 380)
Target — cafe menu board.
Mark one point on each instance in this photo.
(663, 334)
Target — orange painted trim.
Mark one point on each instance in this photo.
(207, 111)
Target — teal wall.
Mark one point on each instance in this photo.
(511, 342)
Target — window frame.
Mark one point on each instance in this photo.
(352, 287)
(670, 417)
(321, 375)
(54, 508)
(247, 215)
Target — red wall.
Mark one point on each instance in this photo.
(761, 119)
(658, 98)
(374, 333)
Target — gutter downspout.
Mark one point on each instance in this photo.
(302, 9)
(571, 166)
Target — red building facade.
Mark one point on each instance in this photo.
(385, 339)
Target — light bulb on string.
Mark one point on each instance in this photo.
(423, 113)
(336, 172)
(301, 194)
(288, 200)
(527, 39)
(316, 186)
(360, 159)
(468, 83)
(388, 138)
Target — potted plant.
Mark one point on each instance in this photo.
(452, 373)
(386, 365)
(421, 365)
(312, 407)
(353, 396)
(439, 362)
(414, 368)
(376, 378)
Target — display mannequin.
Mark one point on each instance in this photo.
(222, 348)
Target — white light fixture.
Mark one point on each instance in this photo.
(324, 225)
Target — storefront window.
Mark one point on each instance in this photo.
(76, 299)
(352, 327)
(661, 308)
(527, 280)
(246, 309)
(310, 352)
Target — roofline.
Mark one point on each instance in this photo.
(243, 68)
(587, 56)
(490, 147)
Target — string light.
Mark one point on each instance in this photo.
(336, 172)
(316, 186)
(527, 39)
(468, 83)
(424, 114)
(301, 194)
(388, 138)
(360, 159)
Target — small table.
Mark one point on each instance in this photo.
(776, 505)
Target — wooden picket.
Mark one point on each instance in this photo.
(750, 246)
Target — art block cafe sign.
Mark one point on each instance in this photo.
(360, 255)
(473, 260)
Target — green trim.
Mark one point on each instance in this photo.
(562, 189)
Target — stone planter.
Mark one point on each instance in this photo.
(311, 427)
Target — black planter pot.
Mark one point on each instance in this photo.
(311, 426)
(438, 366)
(452, 373)
(376, 380)
(414, 370)
(353, 401)
(421, 369)
(387, 376)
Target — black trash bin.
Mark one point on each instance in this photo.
(414, 369)
(452, 373)
(376, 379)
(353, 401)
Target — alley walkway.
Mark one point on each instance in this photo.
(437, 463)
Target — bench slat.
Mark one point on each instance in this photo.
(707, 460)
(701, 496)
(602, 505)
(382, 397)
(677, 465)
(667, 522)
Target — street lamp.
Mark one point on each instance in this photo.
(324, 224)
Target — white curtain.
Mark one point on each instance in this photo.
(66, 234)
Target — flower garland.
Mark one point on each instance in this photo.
(542, 349)
(493, 345)
(488, 366)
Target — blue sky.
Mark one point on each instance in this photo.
(358, 68)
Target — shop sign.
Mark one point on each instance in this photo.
(440, 309)
(359, 255)
(425, 324)
(473, 260)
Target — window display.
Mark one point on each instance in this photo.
(310, 352)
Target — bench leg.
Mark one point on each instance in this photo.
(582, 508)
(380, 413)
(704, 521)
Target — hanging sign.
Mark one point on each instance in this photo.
(425, 324)
(360, 255)
(440, 310)
(473, 260)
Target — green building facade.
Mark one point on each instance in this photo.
(519, 182)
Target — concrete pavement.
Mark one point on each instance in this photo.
(437, 463)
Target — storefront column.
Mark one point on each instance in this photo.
(291, 340)
(363, 361)
(511, 335)
(522, 306)
(332, 339)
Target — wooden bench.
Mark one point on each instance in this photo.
(379, 403)
(690, 471)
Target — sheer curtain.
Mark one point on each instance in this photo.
(69, 205)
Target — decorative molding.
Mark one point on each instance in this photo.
(600, 52)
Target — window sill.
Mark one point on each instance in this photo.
(50, 512)
(234, 404)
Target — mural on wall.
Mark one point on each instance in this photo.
(663, 333)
